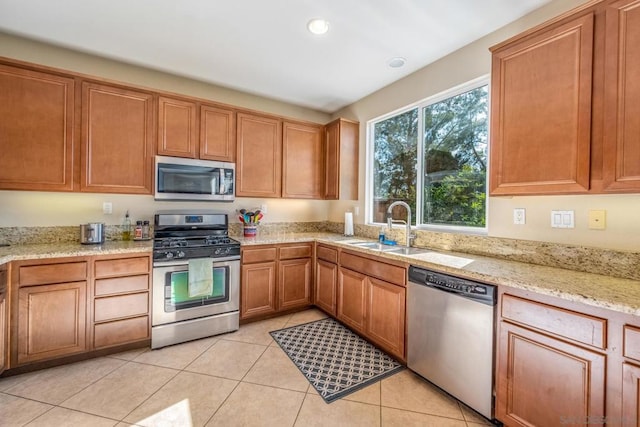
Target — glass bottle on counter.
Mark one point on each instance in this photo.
(145, 230)
(137, 235)
(126, 227)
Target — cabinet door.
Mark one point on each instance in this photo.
(177, 131)
(36, 130)
(326, 286)
(621, 167)
(4, 330)
(386, 315)
(258, 289)
(631, 395)
(294, 283)
(352, 301)
(541, 112)
(302, 161)
(217, 134)
(341, 160)
(117, 140)
(51, 321)
(547, 382)
(258, 156)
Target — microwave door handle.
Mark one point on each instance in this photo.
(221, 181)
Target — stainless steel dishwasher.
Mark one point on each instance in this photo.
(450, 335)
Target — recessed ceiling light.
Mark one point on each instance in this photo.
(318, 26)
(396, 62)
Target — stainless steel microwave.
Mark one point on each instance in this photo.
(191, 179)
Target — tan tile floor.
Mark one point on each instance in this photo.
(237, 379)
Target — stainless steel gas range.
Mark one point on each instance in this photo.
(196, 278)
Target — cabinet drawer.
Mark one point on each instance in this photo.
(258, 255)
(119, 285)
(52, 273)
(121, 332)
(121, 306)
(564, 323)
(121, 266)
(328, 254)
(632, 342)
(390, 273)
(298, 251)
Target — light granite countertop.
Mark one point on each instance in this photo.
(57, 250)
(622, 295)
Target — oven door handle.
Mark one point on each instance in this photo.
(186, 261)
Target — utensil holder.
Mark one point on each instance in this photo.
(250, 230)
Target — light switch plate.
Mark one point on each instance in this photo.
(562, 219)
(107, 208)
(597, 219)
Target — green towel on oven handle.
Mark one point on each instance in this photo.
(200, 277)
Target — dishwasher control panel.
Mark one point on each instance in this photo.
(463, 287)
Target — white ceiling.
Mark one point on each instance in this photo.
(263, 46)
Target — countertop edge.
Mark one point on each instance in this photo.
(617, 294)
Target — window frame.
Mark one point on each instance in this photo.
(478, 82)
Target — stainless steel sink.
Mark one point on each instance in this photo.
(371, 245)
(403, 250)
(392, 249)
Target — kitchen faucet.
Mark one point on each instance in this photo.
(390, 221)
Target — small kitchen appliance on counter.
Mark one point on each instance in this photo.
(196, 277)
(92, 233)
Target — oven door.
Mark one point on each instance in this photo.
(171, 300)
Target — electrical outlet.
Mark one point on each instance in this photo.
(356, 210)
(519, 216)
(107, 208)
(263, 208)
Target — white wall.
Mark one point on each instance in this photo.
(25, 208)
(468, 63)
(34, 208)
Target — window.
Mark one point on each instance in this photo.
(434, 157)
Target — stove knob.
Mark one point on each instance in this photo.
(169, 255)
(227, 250)
(216, 251)
(180, 254)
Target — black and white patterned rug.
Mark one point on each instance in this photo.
(335, 360)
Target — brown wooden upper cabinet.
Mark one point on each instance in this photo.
(302, 161)
(622, 92)
(189, 129)
(117, 140)
(258, 156)
(36, 130)
(341, 160)
(564, 113)
(541, 111)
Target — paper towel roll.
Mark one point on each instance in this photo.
(348, 224)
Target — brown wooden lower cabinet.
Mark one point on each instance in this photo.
(122, 299)
(386, 314)
(547, 382)
(258, 289)
(4, 330)
(52, 321)
(371, 306)
(326, 286)
(275, 278)
(68, 306)
(631, 395)
(294, 283)
(352, 298)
